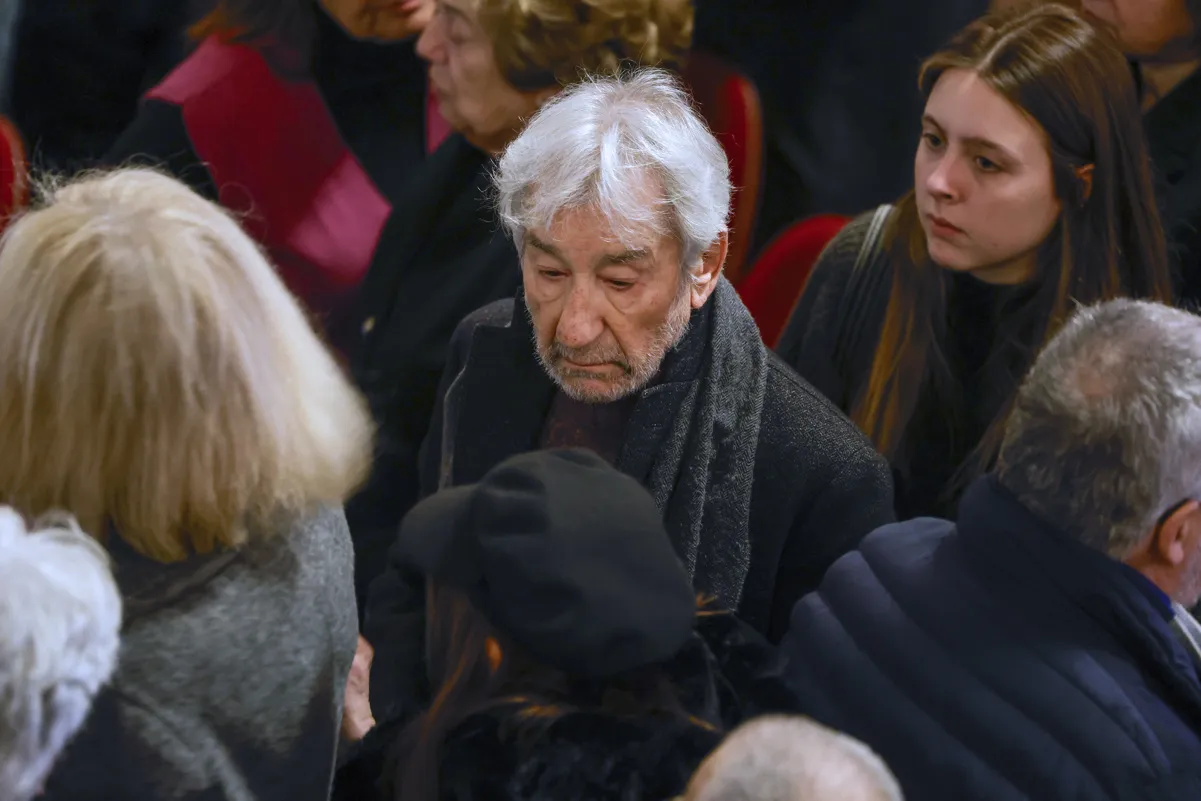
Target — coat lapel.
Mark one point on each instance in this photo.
(504, 398)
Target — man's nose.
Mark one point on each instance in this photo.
(581, 323)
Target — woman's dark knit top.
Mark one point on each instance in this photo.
(985, 368)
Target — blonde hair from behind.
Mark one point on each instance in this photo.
(158, 379)
(541, 43)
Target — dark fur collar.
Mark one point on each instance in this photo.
(726, 674)
(579, 757)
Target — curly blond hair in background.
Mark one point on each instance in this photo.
(541, 43)
(158, 380)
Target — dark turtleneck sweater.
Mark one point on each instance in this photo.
(375, 93)
(599, 427)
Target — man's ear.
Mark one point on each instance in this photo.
(704, 278)
(1163, 555)
(1174, 539)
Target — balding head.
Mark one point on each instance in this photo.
(792, 759)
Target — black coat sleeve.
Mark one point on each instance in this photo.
(856, 501)
(846, 494)
(158, 138)
(394, 618)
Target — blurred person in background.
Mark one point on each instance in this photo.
(162, 386)
(307, 118)
(1162, 38)
(1032, 194)
(60, 622)
(778, 758)
(493, 63)
(835, 78)
(567, 654)
(79, 66)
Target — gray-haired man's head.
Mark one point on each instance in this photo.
(616, 195)
(778, 758)
(60, 620)
(1105, 439)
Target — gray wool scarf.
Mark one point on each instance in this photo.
(702, 477)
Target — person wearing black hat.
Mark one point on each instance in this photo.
(566, 654)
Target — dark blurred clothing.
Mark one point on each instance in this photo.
(79, 67)
(1174, 138)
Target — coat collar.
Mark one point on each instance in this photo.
(1008, 542)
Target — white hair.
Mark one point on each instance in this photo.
(781, 758)
(60, 620)
(598, 143)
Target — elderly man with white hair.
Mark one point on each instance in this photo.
(1039, 647)
(787, 758)
(627, 340)
(60, 621)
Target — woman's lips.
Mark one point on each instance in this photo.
(942, 226)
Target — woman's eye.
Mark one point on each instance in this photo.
(986, 164)
(932, 140)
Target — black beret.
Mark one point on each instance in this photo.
(565, 556)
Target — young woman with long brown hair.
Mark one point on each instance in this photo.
(566, 654)
(1032, 194)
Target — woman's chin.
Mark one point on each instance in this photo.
(948, 256)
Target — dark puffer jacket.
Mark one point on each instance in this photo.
(999, 660)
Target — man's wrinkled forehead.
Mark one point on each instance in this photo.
(567, 229)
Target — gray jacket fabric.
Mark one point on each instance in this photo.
(231, 676)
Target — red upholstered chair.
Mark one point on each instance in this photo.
(729, 102)
(14, 172)
(774, 285)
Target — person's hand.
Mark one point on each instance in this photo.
(357, 719)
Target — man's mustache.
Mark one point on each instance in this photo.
(590, 356)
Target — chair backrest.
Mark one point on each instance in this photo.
(730, 104)
(772, 288)
(14, 172)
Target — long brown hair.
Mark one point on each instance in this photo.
(1074, 82)
(464, 682)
